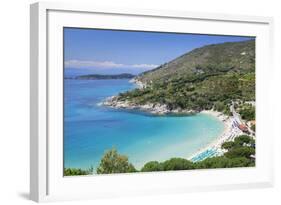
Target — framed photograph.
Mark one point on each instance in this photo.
(127, 102)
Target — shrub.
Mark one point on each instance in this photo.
(112, 162)
(240, 152)
(152, 166)
(253, 127)
(76, 172)
(228, 145)
(223, 162)
(214, 162)
(248, 113)
(243, 139)
(219, 106)
(177, 164)
(241, 162)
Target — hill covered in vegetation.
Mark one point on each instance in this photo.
(208, 77)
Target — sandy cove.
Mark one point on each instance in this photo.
(230, 132)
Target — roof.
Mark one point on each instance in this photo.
(243, 127)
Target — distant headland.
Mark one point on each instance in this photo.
(102, 77)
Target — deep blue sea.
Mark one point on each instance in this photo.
(91, 129)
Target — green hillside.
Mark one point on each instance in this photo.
(237, 56)
(207, 77)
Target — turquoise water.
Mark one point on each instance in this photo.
(90, 129)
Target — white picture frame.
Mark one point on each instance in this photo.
(46, 178)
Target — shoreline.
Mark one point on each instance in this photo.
(229, 133)
(152, 108)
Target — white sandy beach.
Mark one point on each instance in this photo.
(229, 133)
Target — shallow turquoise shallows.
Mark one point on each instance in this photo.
(91, 129)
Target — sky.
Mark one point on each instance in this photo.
(112, 51)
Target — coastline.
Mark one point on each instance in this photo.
(139, 84)
(229, 133)
(153, 108)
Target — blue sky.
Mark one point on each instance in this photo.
(108, 51)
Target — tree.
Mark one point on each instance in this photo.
(241, 162)
(112, 162)
(248, 112)
(177, 164)
(240, 152)
(213, 162)
(219, 106)
(243, 139)
(152, 166)
(76, 172)
(224, 162)
(238, 142)
(253, 127)
(228, 145)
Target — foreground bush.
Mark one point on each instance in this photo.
(171, 164)
(246, 152)
(112, 162)
(243, 146)
(224, 162)
(76, 172)
(177, 164)
(152, 166)
(244, 139)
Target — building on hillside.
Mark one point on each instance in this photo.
(243, 128)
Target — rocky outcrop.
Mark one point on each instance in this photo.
(158, 109)
(140, 84)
